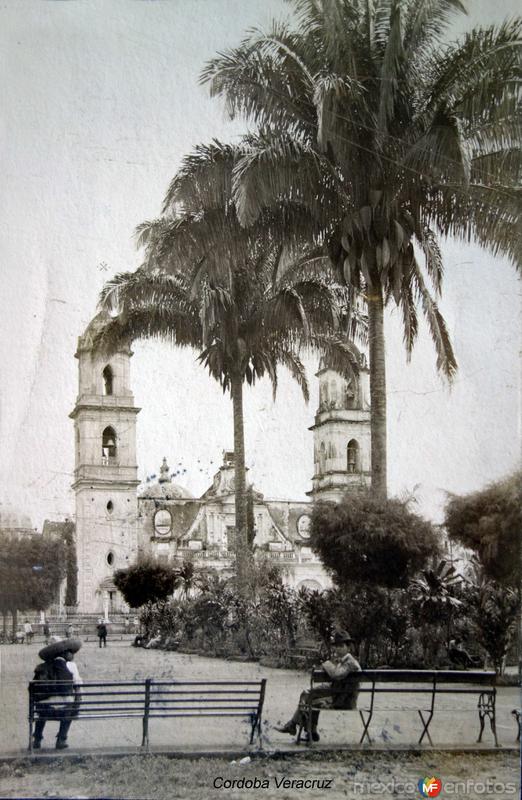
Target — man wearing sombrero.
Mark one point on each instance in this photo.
(60, 696)
(337, 668)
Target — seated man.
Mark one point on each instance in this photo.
(460, 656)
(154, 642)
(338, 670)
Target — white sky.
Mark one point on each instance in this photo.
(100, 102)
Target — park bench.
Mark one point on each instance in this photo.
(427, 683)
(151, 699)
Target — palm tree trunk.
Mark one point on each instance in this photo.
(377, 389)
(240, 486)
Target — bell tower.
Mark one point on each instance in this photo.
(105, 477)
(342, 436)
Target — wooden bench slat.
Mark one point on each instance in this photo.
(415, 676)
(206, 683)
(196, 716)
(209, 693)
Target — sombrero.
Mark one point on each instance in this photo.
(57, 648)
(341, 637)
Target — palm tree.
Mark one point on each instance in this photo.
(232, 294)
(434, 594)
(391, 139)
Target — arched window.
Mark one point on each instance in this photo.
(333, 392)
(352, 456)
(322, 458)
(107, 379)
(109, 446)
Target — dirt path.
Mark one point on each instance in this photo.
(395, 720)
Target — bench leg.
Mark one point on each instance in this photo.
(309, 726)
(426, 725)
(145, 736)
(486, 708)
(493, 724)
(255, 723)
(366, 725)
(481, 720)
(305, 721)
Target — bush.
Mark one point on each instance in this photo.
(496, 609)
(145, 582)
(488, 522)
(371, 541)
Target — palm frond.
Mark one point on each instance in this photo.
(426, 21)
(295, 366)
(274, 167)
(204, 178)
(446, 362)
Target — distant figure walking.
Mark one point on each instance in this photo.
(28, 632)
(58, 695)
(101, 629)
(47, 632)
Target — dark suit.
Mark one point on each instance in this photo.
(340, 674)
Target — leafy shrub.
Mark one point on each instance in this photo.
(368, 540)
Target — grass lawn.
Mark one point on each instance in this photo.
(338, 777)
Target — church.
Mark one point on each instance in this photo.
(116, 523)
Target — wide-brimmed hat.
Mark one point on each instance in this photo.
(341, 637)
(57, 648)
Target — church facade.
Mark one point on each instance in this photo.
(116, 523)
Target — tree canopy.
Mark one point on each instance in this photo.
(31, 570)
(370, 540)
(489, 522)
(144, 582)
(389, 137)
(245, 299)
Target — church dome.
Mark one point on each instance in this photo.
(164, 489)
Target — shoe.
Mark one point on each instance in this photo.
(290, 728)
(61, 745)
(315, 737)
(37, 744)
